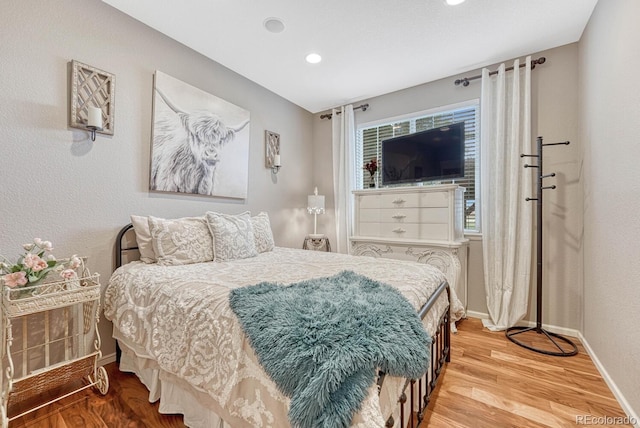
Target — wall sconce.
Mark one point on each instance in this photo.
(272, 151)
(92, 99)
(315, 206)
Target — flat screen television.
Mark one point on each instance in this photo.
(435, 154)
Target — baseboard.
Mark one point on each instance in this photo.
(624, 404)
(107, 359)
(479, 315)
(552, 328)
(633, 417)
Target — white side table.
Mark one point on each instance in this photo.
(67, 348)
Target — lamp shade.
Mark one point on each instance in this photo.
(315, 204)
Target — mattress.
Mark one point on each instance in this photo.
(177, 320)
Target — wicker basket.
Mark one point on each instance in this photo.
(51, 295)
(32, 386)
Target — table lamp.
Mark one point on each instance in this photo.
(315, 206)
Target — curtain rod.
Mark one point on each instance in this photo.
(465, 80)
(364, 107)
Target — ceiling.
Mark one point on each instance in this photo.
(369, 47)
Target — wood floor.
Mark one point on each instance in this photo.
(490, 382)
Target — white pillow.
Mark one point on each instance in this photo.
(262, 234)
(181, 241)
(232, 236)
(143, 238)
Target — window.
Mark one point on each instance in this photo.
(370, 137)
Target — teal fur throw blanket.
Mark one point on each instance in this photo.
(321, 341)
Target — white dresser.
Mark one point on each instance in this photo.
(419, 223)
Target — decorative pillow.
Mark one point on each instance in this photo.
(262, 234)
(232, 236)
(143, 238)
(181, 241)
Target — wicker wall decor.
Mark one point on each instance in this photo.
(272, 148)
(91, 87)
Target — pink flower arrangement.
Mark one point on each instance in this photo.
(33, 266)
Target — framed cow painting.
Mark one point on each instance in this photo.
(200, 143)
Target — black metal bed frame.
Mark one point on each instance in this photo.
(440, 350)
(440, 354)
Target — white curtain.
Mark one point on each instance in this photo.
(506, 216)
(344, 176)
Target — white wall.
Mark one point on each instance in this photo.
(57, 185)
(610, 107)
(555, 117)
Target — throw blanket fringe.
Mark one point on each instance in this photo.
(321, 341)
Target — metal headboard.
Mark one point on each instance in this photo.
(125, 242)
(122, 244)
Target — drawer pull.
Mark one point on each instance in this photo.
(398, 216)
(399, 230)
(399, 201)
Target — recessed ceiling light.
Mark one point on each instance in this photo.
(313, 58)
(274, 25)
(454, 2)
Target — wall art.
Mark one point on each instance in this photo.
(200, 142)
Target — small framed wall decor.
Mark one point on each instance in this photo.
(272, 149)
(91, 87)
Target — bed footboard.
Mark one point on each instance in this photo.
(420, 390)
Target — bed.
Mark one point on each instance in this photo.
(176, 331)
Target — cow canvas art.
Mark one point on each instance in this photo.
(200, 142)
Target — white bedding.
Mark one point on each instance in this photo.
(179, 317)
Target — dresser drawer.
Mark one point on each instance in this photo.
(432, 231)
(369, 201)
(412, 215)
(414, 200)
(369, 215)
(434, 200)
(400, 200)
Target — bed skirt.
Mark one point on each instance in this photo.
(174, 398)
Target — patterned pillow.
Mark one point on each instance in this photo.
(262, 234)
(232, 236)
(181, 241)
(143, 238)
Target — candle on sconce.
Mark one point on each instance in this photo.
(94, 118)
(276, 160)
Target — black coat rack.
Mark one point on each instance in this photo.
(569, 348)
